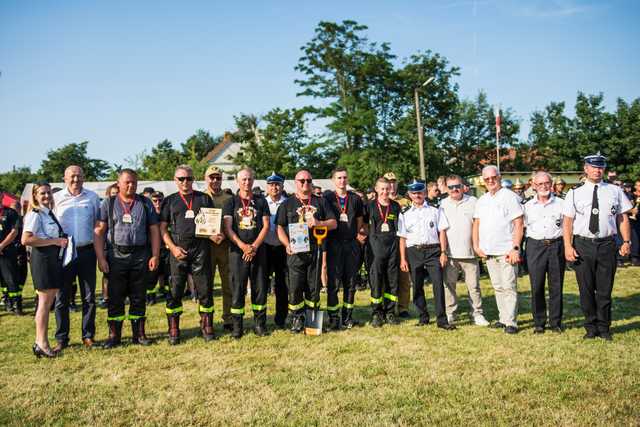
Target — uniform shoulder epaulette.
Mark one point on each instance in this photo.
(578, 185)
(405, 208)
(36, 210)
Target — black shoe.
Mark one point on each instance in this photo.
(447, 327)
(102, 304)
(334, 323)
(538, 330)
(238, 328)
(404, 315)
(557, 329)
(227, 327)
(349, 323)
(590, 335)
(377, 321)
(424, 321)
(511, 330)
(606, 336)
(260, 330)
(297, 324)
(61, 345)
(40, 352)
(498, 325)
(73, 307)
(391, 319)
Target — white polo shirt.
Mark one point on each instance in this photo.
(272, 235)
(421, 225)
(611, 203)
(544, 220)
(77, 214)
(459, 214)
(496, 214)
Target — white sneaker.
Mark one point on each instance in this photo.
(479, 320)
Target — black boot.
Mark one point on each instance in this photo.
(18, 306)
(138, 333)
(347, 320)
(115, 334)
(297, 323)
(334, 322)
(174, 329)
(260, 326)
(237, 327)
(206, 326)
(377, 321)
(6, 302)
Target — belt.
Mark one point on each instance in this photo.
(128, 249)
(595, 239)
(423, 247)
(546, 242)
(85, 246)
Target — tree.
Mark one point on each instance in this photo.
(15, 180)
(53, 166)
(160, 164)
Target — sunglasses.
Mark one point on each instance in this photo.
(184, 178)
(215, 177)
(304, 181)
(454, 187)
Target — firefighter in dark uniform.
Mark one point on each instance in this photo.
(310, 210)
(383, 214)
(130, 226)
(10, 224)
(343, 249)
(592, 213)
(246, 224)
(189, 254)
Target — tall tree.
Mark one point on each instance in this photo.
(161, 162)
(56, 161)
(14, 180)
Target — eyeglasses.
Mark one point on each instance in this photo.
(184, 178)
(215, 177)
(490, 178)
(545, 183)
(304, 181)
(454, 187)
(156, 200)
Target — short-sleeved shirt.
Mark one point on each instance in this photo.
(544, 221)
(611, 203)
(246, 219)
(128, 234)
(375, 220)
(459, 214)
(174, 209)
(41, 224)
(77, 214)
(272, 236)
(496, 213)
(422, 225)
(293, 211)
(351, 204)
(9, 220)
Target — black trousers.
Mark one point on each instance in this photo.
(304, 287)
(84, 268)
(595, 271)
(128, 276)
(277, 265)
(343, 262)
(421, 262)
(198, 264)
(546, 260)
(384, 273)
(9, 272)
(241, 273)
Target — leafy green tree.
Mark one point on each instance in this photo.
(14, 180)
(160, 164)
(56, 161)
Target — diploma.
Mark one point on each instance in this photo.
(208, 222)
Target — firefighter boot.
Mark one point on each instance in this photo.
(237, 327)
(206, 326)
(115, 334)
(260, 324)
(174, 329)
(138, 334)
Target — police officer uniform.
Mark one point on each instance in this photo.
(46, 261)
(343, 256)
(247, 223)
(9, 271)
(303, 289)
(128, 252)
(277, 256)
(594, 208)
(545, 259)
(179, 212)
(420, 228)
(383, 240)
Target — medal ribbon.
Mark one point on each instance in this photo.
(343, 208)
(188, 205)
(126, 207)
(245, 206)
(305, 206)
(383, 216)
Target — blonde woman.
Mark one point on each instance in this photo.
(43, 233)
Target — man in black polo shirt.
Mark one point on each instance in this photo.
(343, 250)
(189, 254)
(246, 224)
(133, 241)
(308, 211)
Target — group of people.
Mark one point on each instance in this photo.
(401, 240)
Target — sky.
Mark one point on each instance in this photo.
(126, 75)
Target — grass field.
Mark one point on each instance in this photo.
(397, 375)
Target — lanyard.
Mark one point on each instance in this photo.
(245, 206)
(386, 213)
(343, 208)
(188, 205)
(127, 207)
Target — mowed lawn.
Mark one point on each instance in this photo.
(397, 375)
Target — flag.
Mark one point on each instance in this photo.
(497, 114)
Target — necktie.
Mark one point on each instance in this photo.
(594, 225)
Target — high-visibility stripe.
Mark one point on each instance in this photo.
(347, 305)
(390, 297)
(376, 300)
(294, 307)
(334, 307)
(205, 309)
(3, 289)
(237, 311)
(173, 310)
(14, 294)
(152, 291)
(117, 318)
(309, 303)
(135, 317)
(258, 307)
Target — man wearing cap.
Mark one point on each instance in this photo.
(545, 253)
(404, 279)
(276, 253)
(133, 240)
(423, 249)
(592, 213)
(307, 209)
(558, 188)
(497, 237)
(343, 249)
(189, 254)
(219, 243)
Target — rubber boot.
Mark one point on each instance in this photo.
(238, 330)
(174, 329)
(206, 326)
(347, 320)
(334, 322)
(260, 323)
(6, 302)
(138, 334)
(18, 306)
(115, 334)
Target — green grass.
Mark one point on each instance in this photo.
(397, 375)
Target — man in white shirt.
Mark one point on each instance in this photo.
(276, 253)
(423, 249)
(592, 214)
(77, 210)
(545, 253)
(459, 209)
(497, 236)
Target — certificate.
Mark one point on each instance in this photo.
(299, 238)
(208, 222)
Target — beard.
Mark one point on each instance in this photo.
(544, 193)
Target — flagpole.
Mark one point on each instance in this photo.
(497, 114)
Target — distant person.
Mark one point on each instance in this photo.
(148, 192)
(10, 223)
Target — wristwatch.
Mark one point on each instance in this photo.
(627, 241)
(516, 248)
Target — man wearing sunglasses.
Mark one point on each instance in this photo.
(303, 208)
(189, 254)
(458, 208)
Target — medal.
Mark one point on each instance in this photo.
(127, 208)
(343, 207)
(384, 227)
(246, 212)
(383, 216)
(595, 211)
(246, 221)
(189, 214)
(308, 216)
(126, 218)
(344, 217)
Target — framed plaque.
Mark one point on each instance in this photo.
(208, 222)
(299, 238)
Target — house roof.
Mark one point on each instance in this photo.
(214, 154)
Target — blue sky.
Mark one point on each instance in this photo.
(125, 75)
